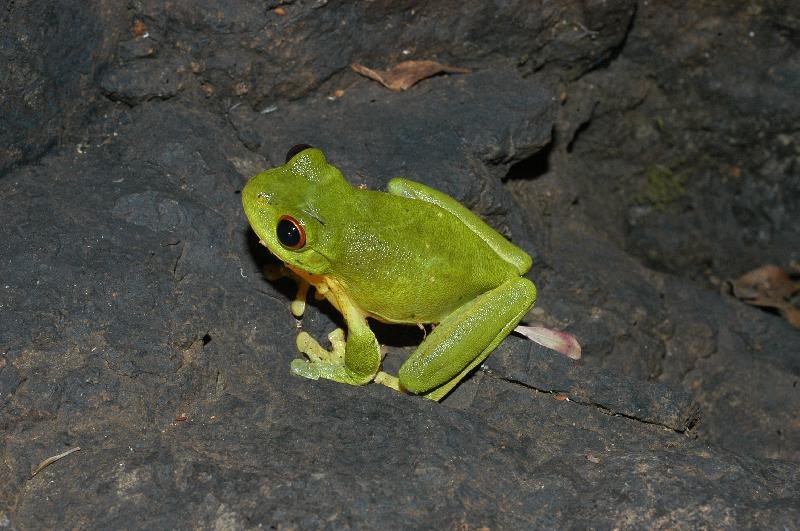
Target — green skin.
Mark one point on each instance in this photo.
(413, 255)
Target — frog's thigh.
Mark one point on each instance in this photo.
(465, 338)
(507, 250)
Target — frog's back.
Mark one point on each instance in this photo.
(407, 260)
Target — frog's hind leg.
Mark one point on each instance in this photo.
(465, 338)
(504, 248)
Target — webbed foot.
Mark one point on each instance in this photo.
(317, 353)
(328, 364)
(388, 380)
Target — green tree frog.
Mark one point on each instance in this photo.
(413, 255)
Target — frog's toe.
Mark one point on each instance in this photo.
(315, 352)
(306, 369)
(338, 344)
(298, 308)
(311, 348)
(299, 303)
(388, 380)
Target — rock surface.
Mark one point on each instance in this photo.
(136, 323)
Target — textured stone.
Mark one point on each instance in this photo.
(135, 321)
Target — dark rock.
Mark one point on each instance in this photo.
(700, 104)
(439, 133)
(743, 367)
(137, 48)
(145, 80)
(49, 54)
(245, 51)
(262, 54)
(135, 321)
(546, 372)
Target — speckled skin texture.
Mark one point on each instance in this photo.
(411, 255)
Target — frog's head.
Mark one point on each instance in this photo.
(283, 206)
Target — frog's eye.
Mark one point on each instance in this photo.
(294, 150)
(291, 233)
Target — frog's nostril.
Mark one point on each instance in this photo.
(265, 197)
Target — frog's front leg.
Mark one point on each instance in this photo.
(465, 338)
(353, 361)
(275, 272)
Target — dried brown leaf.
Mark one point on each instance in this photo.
(791, 314)
(139, 29)
(769, 286)
(404, 75)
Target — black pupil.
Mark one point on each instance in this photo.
(294, 150)
(288, 233)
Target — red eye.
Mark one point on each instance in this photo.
(290, 233)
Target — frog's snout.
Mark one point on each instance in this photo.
(254, 195)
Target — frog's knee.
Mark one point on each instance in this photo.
(527, 289)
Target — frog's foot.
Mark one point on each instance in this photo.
(317, 354)
(330, 371)
(388, 380)
(306, 369)
(328, 364)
